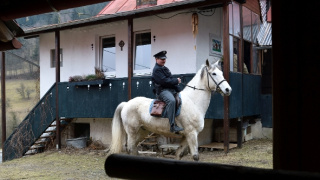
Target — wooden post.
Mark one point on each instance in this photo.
(130, 55)
(239, 133)
(57, 59)
(226, 70)
(3, 101)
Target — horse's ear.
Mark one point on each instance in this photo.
(207, 63)
(216, 64)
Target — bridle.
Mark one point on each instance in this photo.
(218, 89)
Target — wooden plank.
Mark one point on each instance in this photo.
(170, 146)
(149, 143)
(216, 145)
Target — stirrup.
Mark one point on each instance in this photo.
(175, 128)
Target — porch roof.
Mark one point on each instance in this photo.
(123, 15)
(128, 5)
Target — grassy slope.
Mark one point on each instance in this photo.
(21, 107)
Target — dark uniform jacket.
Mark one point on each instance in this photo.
(162, 79)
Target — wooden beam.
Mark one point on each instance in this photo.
(130, 55)
(226, 71)
(13, 44)
(57, 59)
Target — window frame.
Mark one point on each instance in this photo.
(53, 59)
(254, 63)
(101, 65)
(146, 71)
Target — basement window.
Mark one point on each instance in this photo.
(81, 130)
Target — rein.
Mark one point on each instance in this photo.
(217, 84)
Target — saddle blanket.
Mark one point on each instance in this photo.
(163, 113)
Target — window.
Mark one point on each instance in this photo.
(235, 34)
(53, 58)
(142, 56)
(234, 22)
(251, 28)
(246, 15)
(247, 56)
(255, 27)
(256, 64)
(108, 55)
(234, 54)
(81, 130)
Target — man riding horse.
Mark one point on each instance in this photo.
(166, 88)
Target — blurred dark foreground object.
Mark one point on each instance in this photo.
(137, 167)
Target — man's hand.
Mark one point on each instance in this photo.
(179, 80)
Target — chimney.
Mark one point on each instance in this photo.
(145, 3)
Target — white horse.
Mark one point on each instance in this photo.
(132, 119)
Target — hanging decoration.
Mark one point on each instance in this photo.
(194, 24)
(121, 44)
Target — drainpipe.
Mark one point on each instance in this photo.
(3, 102)
(57, 58)
(226, 71)
(130, 55)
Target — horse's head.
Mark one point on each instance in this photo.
(215, 78)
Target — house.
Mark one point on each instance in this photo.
(121, 41)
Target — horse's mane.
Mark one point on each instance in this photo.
(202, 71)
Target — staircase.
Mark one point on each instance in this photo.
(47, 138)
(34, 128)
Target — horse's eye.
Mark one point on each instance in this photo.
(214, 74)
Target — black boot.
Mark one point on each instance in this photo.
(174, 128)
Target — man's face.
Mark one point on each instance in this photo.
(161, 62)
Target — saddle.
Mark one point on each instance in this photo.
(159, 106)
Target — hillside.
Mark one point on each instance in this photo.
(61, 16)
(21, 96)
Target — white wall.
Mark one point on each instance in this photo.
(100, 129)
(208, 24)
(173, 34)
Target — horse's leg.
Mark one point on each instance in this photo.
(192, 139)
(181, 150)
(132, 144)
(132, 141)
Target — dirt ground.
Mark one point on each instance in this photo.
(88, 163)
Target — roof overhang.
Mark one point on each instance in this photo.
(143, 12)
(13, 9)
(8, 31)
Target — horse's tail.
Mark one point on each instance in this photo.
(118, 133)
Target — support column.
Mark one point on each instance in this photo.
(226, 69)
(57, 59)
(3, 101)
(130, 55)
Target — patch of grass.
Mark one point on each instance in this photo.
(254, 153)
(75, 164)
(89, 164)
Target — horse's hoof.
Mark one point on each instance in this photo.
(196, 157)
(180, 155)
(107, 150)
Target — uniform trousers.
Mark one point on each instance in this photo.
(168, 97)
